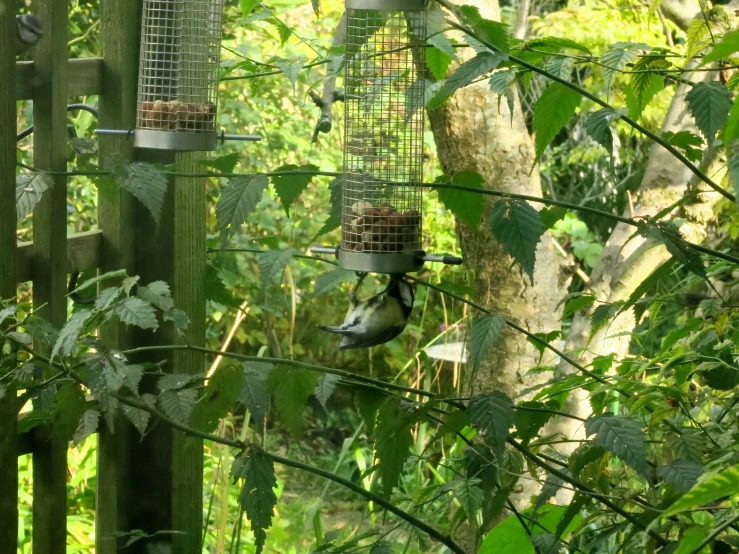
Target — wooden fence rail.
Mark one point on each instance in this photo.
(154, 484)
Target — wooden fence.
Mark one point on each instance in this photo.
(154, 484)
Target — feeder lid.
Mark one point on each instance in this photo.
(388, 5)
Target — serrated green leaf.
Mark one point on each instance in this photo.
(327, 282)
(316, 7)
(727, 46)
(668, 235)
(438, 61)
(88, 425)
(139, 418)
(157, 294)
(272, 263)
(518, 228)
(291, 69)
(598, 126)
(470, 496)
(178, 404)
(616, 59)
(258, 498)
(529, 422)
(556, 44)
(552, 111)
(723, 484)
(393, 440)
(69, 334)
(692, 539)
(239, 198)
(730, 130)
(560, 67)
(368, 403)
(29, 189)
(493, 415)
(247, 6)
(583, 455)
(577, 303)
(325, 387)
(551, 486)
(691, 143)
(623, 437)
(681, 474)
(546, 543)
(488, 30)
(178, 317)
(145, 182)
(733, 167)
(219, 397)
(602, 314)
(290, 187)
(484, 332)
(67, 409)
(466, 73)
(134, 311)
(292, 387)
(466, 206)
(222, 164)
(382, 547)
(255, 394)
(175, 381)
(709, 103)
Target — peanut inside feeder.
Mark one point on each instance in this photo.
(383, 143)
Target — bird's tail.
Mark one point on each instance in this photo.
(329, 328)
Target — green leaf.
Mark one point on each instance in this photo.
(134, 311)
(258, 498)
(518, 228)
(723, 484)
(493, 415)
(369, 403)
(727, 46)
(29, 188)
(157, 294)
(327, 282)
(466, 206)
(698, 29)
(529, 422)
(316, 7)
(668, 234)
(239, 198)
(145, 182)
(67, 409)
(616, 59)
(222, 164)
(291, 69)
(709, 103)
(325, 388)
(692, 539)
(438, 61)
(247, 6)
(218, 400)
(733, 167)
(466, 73)
(490, 31)
(507, 537)
(139, 418)
(255, 394)
(623, 437)
(721, 376)
(551, 486)
(688, 445)
(272, 263)
(730, 130)
(393, 440)
(602, 314)
(289, 187)
(551, 215)
(69, 334)
(556, 44)
(292, 387)
(583, 455)
(691, 143)
(681, 474)
(546, 543)
(175, 381)
(577, 303)
(178, 317)
(178, 404)
(598, 126)
(470, 496)
(215, 290)
(560, 67)
(484, 332)
(552, 111)
(88, 425)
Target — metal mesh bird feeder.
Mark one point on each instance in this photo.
(383, 143)
(178, 74)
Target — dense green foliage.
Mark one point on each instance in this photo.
(409, 461)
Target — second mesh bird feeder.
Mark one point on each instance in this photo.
(383, 142)
(178, 74)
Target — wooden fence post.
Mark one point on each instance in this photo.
(119, 40)
(8, 411)
(50, 250)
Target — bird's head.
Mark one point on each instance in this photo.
(29, 29)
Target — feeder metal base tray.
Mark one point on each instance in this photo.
(181, 142)
(408, 262)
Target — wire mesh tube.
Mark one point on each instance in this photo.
(178, 74)
(383, 143)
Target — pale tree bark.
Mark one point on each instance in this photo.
(474, 132)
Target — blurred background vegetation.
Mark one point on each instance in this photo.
(281, 321)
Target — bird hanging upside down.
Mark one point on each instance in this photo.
(377, 320)
(28, 32)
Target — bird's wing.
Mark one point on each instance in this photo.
(349, 342)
